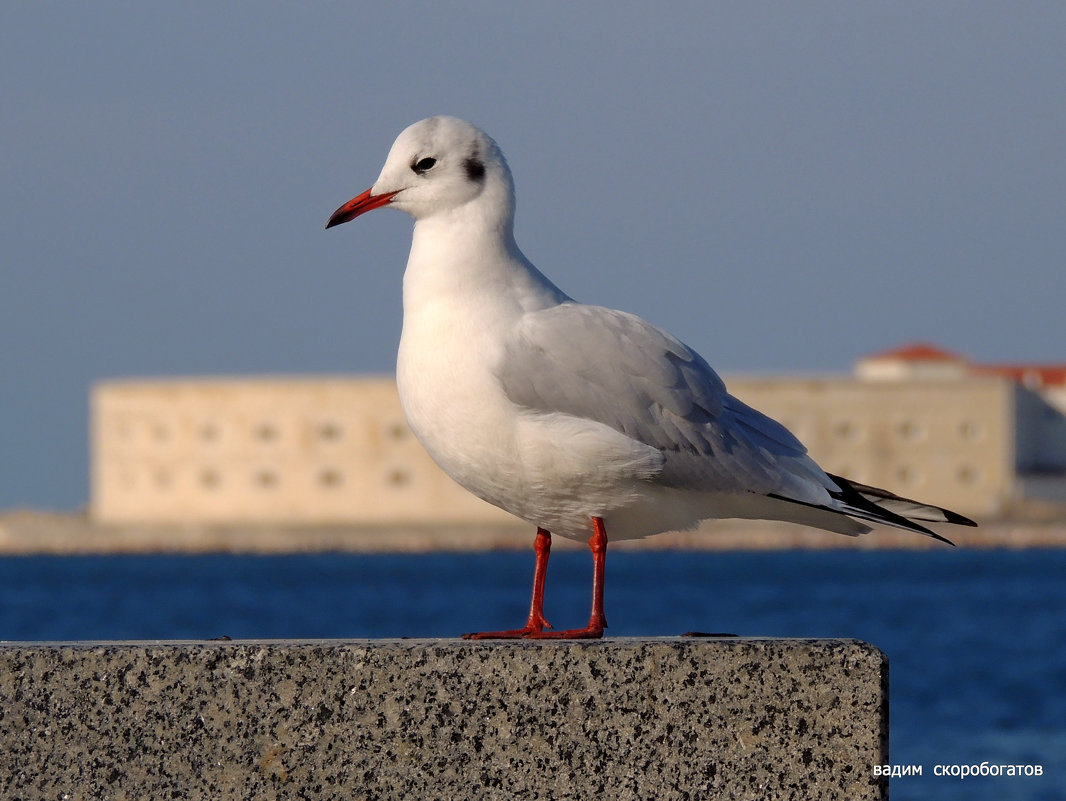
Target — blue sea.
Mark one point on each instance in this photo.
(976, 639)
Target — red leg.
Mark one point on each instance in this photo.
(597, 620)
(536, 622)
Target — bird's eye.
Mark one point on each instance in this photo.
(424, 165)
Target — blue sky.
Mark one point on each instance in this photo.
(784, 186)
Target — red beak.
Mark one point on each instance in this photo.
(359, 205)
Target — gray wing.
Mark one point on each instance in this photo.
(615, 368)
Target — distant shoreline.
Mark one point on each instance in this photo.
(29, 532)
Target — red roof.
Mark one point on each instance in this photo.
(916, 352)
(1031, 375)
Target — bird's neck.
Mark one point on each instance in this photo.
(460, 257)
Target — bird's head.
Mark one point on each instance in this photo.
(435, 166)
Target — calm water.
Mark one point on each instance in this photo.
(976, 639)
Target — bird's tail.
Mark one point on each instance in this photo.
(881, 506)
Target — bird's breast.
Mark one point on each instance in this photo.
(452, 400)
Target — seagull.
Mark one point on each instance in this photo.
(582, 420)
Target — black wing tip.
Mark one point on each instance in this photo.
(936, 536)
(957, 519)
(868, 511)
(849, 493)
(847, 485)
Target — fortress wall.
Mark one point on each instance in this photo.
(319, 451)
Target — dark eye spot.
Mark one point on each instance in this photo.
(424, 165)
(475, 169)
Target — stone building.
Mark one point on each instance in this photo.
(978, 439)
(287, 450)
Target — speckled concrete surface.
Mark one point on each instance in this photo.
(443, 719)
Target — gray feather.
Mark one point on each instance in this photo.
(616, 369)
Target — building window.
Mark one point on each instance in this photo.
(906, 474)
(396, 431)
(330, 478)
(398, 477)
(908, 430)
(846, 430)
(970, 431)
(266, 432)
(330, 431)
(266, 478)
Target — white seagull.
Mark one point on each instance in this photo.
(579, 419)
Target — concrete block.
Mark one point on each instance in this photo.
(660, 718)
